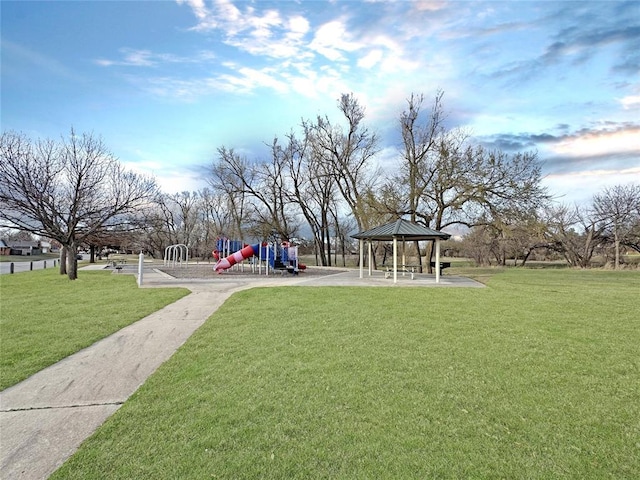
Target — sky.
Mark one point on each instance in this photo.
(166, 83)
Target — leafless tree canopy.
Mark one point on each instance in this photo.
(617, 211)
(347, 154)
(324, 179)
(67, 190)
(313, 177)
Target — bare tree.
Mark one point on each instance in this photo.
(172, 219)
(445, 181)
(67, 190)
(13, 235)
(156, 227)
(481, 245)
(420, 145)
(272, 207)
(348, 154)
(313, 190)
(228, 175)
(183, 210)
(216, 217)
(617, 210)
(262, 187)
(574, 234)
(510, 236)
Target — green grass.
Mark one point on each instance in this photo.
(44, 317)
(537, 376)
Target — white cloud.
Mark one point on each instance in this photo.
(397, 65)
(600, 143)
(332, 39)
(630, 102)
(430, 5)
(173, 178)
(263, 79)
(145, 58)
(198, 7)
(371, 59)
(309, 82)
(180, 181)
(183, 90)
(262, 26)
(580, 186)
(224, 14)
(269, 35)
(247, 80)
(265, 34)
(306, 86)
(265, 47)
(136, 58)
(298, 26)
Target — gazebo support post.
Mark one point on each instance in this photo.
(404, 257)
(395, 260)
(437, 260)
(362, 257)
(370, 257)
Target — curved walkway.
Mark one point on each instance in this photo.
(45, 418)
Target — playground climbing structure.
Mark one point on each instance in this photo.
(270, 256)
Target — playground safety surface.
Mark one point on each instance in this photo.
(312, 276)
(45, 418)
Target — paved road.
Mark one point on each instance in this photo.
(5, 267)
(27, 265)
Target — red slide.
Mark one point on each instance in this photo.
(247, 252)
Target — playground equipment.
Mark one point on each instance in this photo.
(273, 257)
(242, 254)
(175, 254)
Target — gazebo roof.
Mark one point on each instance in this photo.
(401, 229)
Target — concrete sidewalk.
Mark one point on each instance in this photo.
(45, 418)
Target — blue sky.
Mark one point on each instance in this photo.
(165, 83)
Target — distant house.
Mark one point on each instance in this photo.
(5, 249)
(22, 247)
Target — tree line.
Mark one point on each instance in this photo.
(324, 179)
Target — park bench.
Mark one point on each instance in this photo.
(443, 265)
(117, 261)
(411, 269)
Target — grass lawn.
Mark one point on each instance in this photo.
(45, 317)
(537, 376)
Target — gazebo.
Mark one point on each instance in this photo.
(404, 231)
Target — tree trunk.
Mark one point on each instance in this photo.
(419, 254)
(327, 242)
(430, 250)
(72, 262)
(344, 251)
(63, 260)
